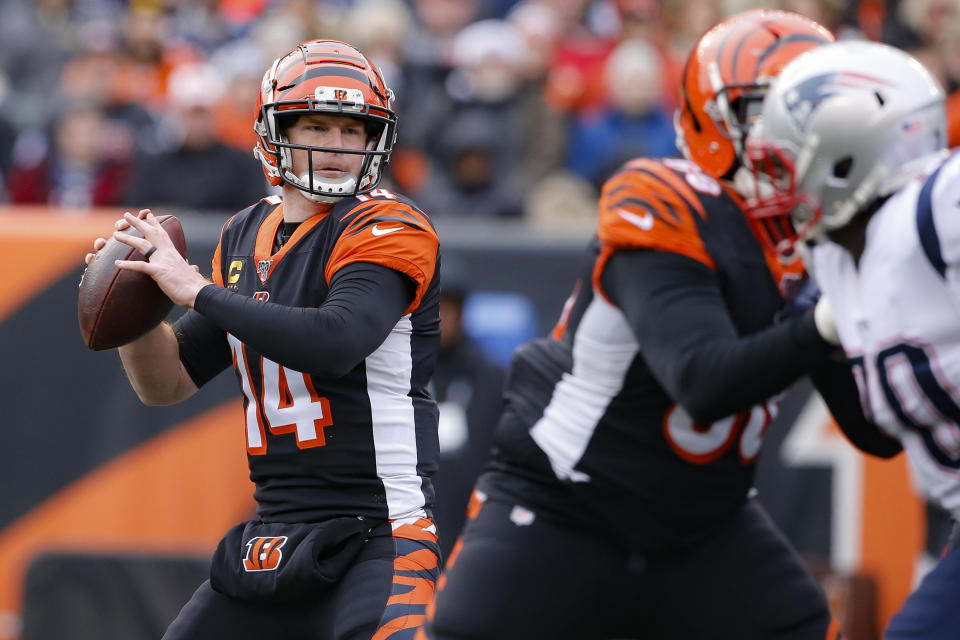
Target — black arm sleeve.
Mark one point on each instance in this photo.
(204, 351)
(364, 303)
(835, 382)
(688, 340)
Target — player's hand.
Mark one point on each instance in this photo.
(826, 326)
(119, 225)
(177, 278)
(800, 296)
(97, 245)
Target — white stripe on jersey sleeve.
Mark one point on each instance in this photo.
(389, 369)
(603, 348)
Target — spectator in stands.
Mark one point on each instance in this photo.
(472, 175)
(427, 61)
(575, 76)
(477, 134)
(233, 112)
(37, 38)
(77, 170)
(545, 126)
(95, 75)
(204, 24)
(632, 124)
(199, 172)
(829, 13)
(468, 386)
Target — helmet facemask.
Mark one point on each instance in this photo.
(275, 118)
(782, 214)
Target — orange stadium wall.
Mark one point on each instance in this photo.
(91, 476)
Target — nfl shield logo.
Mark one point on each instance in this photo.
(263, 269)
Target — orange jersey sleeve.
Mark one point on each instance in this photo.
(648, 206)
(389, 233)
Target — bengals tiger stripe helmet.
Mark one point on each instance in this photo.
(726, 77)
(324, 76)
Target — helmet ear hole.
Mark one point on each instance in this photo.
(842, 167)
(879, 97)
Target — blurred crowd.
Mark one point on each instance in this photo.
(507, 108)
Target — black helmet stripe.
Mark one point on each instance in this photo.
(796, 37)
(334, 54)
(325, 71)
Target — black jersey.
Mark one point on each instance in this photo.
(320, 445)
(590, 432)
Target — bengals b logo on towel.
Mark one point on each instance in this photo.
(263, 553)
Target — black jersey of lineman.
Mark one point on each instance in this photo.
(365, 443)
(595, 437)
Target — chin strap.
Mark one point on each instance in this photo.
(333, 188)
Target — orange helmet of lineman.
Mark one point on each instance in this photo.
(726, 77)
(324, 76)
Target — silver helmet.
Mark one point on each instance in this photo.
(843, 125)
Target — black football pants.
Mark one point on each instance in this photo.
(517, 576)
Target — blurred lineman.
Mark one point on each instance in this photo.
(852, 148)
(618, 504)
(325, 301)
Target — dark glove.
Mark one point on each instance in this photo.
(800, 296)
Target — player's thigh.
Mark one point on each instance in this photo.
(518, 576)
(386, 592)
(210, 614)
(933, 610)
(744, 581)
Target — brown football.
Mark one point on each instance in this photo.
(117, 306)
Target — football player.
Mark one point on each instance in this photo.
(852, 148)
(325, 303)
(619, 502)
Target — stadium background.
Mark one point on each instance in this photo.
(511, 115)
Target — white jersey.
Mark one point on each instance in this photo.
(898, 317)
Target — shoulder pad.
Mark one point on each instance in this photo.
(648, 204)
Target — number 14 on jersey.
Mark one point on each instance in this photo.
(288, 403)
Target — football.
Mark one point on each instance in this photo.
(117, 306)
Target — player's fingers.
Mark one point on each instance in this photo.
(134, 265)
(87, 258)
(150, 227)
(143, 213)
(98, 244)
(140, 244)
(135, 221)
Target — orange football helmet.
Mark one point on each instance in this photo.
(324, 76)
(726, 77)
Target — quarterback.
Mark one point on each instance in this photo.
(325, 303)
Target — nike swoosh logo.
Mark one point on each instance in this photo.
(377, 231)
(644, 222)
